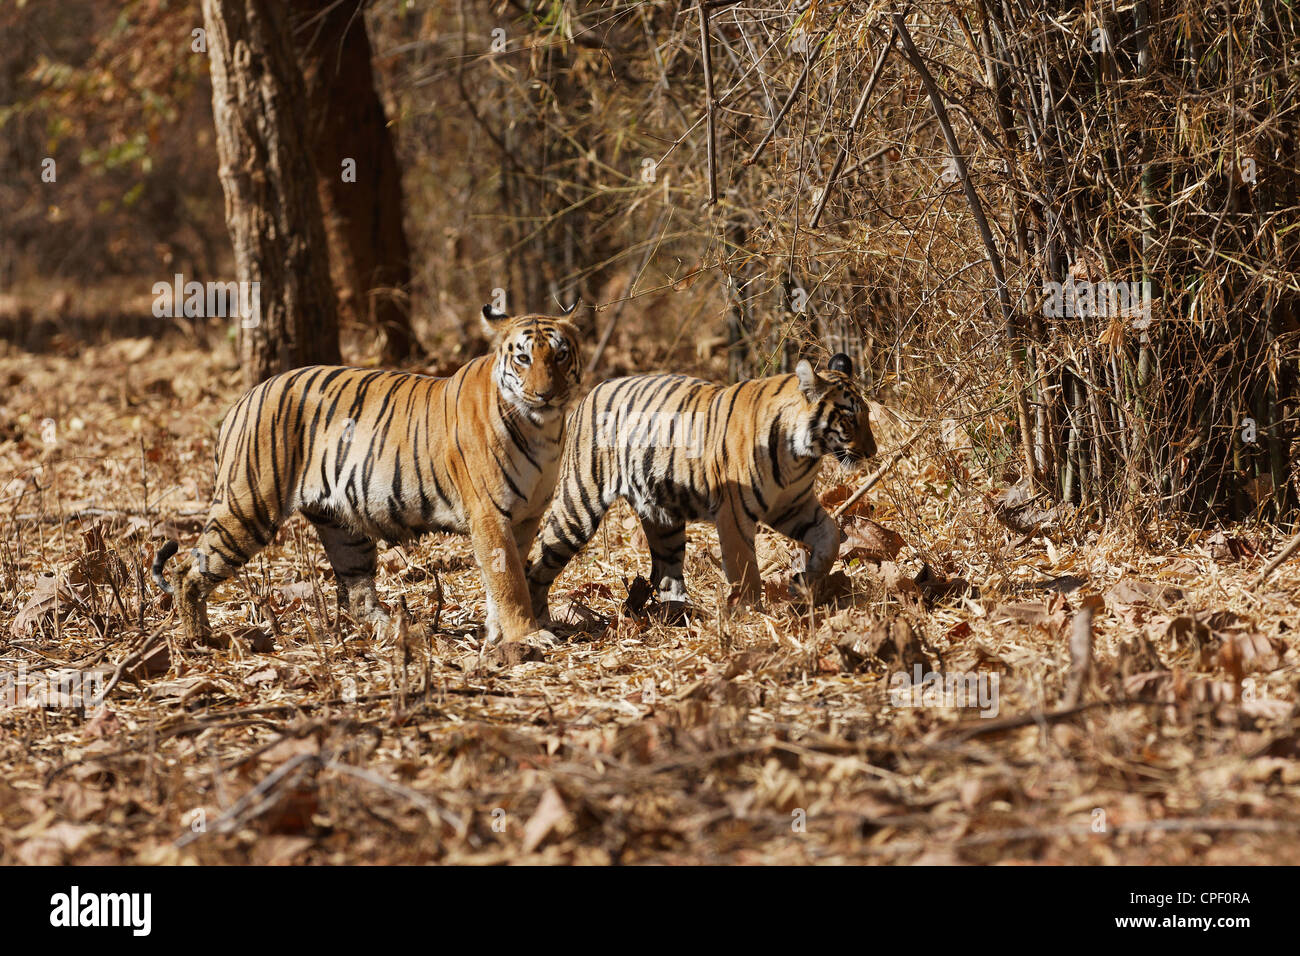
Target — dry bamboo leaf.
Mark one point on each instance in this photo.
(1133, 591)
(1241, 654)
(835, 496)
(551, 815)
(866, 540)
(44, 597)
(1223, 547)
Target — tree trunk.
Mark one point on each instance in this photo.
(272, 211)
(369, 257)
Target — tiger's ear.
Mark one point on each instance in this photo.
(841, 363)
(581, 321)
(494, 320)
(811, 384)
(566, 317)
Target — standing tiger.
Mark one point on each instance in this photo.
(368, 455)
(680, 449)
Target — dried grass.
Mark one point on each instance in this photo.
(744, 736)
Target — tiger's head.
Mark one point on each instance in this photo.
(836, 420)
(537, 364)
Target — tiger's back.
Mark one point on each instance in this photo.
(681, 449)
(382, 452)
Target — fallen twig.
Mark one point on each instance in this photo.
(1278, 560)
(964, 732)
(901, 450)
(132, 657)
(1086, 830)
(431, 809)
(874, 478)
(244, 808)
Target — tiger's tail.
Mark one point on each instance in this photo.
(160, 561)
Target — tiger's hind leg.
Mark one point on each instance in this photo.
(226, 545)
(667, 552)
(354, 558)
(569, 526)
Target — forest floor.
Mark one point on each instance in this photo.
(743, 736)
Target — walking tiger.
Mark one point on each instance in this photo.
(368, 455)
(679, 449)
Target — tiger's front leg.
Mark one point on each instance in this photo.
(812, 526)
(510, 616)
(739, 560)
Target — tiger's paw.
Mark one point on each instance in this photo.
(529, 648)
(542, 637)
(364, 605)
(798, 589)
(826, 589)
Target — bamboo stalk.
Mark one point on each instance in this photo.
(711, 132)
(977, 209)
